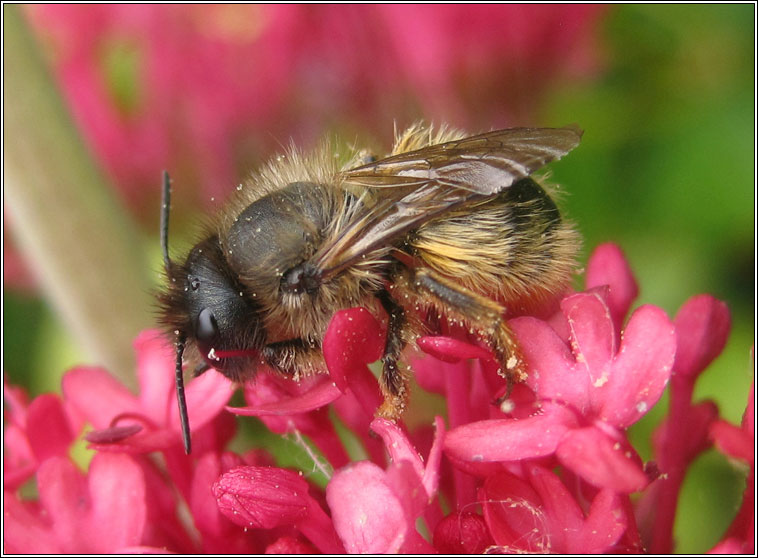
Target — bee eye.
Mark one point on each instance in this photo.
(206, 327)
(195, 284)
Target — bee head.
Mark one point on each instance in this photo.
(206, 304)
(205, 307)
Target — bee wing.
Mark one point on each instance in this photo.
(423, 184)
(483, 164)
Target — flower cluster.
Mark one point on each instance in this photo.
(545, 468)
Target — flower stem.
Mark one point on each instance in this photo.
(69, 225)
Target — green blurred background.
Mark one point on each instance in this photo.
(666, 170)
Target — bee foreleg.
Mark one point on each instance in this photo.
(484, 316)
(394, 379)
(294, 357)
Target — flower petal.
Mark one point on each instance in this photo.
(63, 495)
(155, 366)
(262, 497)
(118, 506)
(448, 349)
(112, 497)
(428, 374)
(642, 368)
(563, 517)
(601, 460)
(702, 327)
(26, 532)
(368, 516)
(431, 476)
(397, 443)
(512, 510)
(206, 515)
(288, 546)
(48, 427)
(592, 336)
(354, 339)
(510, 440)
(285, 406)
(688, 438)
(98, 396)
(207, 395)
(608, 266)
(462, 533)
(321, 393)
(553, 373)
(732, 440)
(605, 523)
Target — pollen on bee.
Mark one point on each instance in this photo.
(511, 363)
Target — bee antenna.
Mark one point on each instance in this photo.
(165, 209)
(183, 417)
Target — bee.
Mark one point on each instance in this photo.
(444, 227)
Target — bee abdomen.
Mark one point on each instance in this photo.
(514, 247)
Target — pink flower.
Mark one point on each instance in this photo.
(539, 514)
(270, 497)
(34, 432)
(588, 392)
(375, 510)
(549, 470)
(739, 443)
(702, 326)
(219, 534)
(104, 511)
(149, 421)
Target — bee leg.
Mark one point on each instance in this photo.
(484, 315)
(394, 379)
(294, 357)
(200, 369)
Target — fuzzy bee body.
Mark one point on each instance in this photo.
(445, 225)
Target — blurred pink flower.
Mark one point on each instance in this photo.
(702, 326)
(192, 88)
(149, 421)
(34, 432)
(101, 512)
(739, 443)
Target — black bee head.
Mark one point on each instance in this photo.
(207, 305)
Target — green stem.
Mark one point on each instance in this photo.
(70, 227)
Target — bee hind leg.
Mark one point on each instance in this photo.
(485, 317)
(394, 378)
